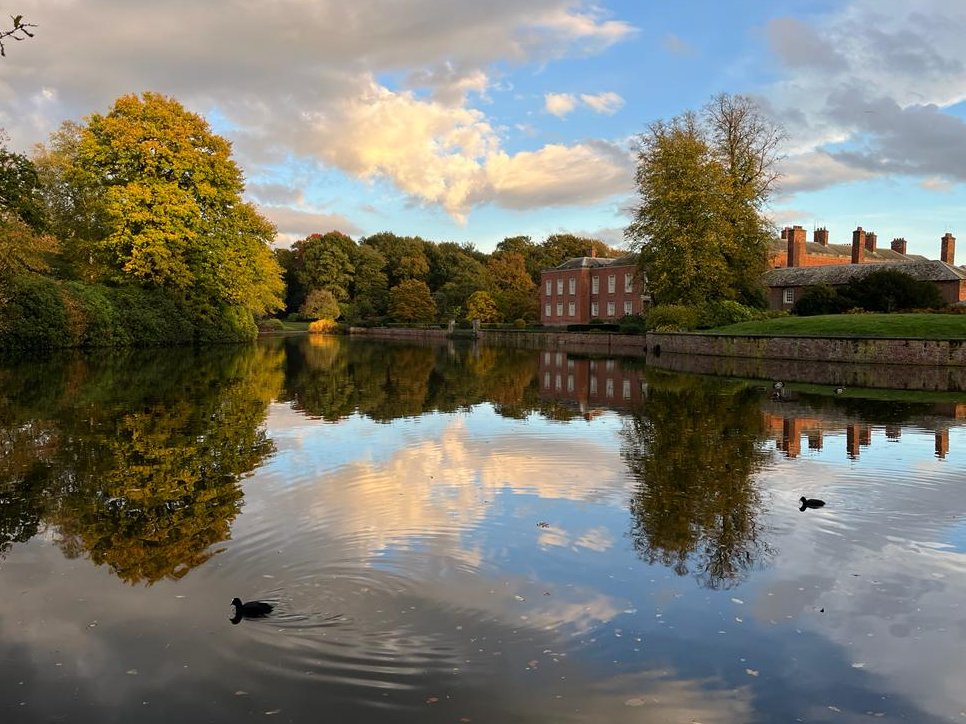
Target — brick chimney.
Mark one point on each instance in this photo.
(821, 236)
(796, 246)
(785, 233)
(593, 252)
(947, 250)
(870, 239)
(899, 245)
(858, 245)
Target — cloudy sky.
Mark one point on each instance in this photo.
(471, 121)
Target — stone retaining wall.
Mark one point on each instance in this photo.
(818, 349)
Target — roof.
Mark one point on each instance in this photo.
(594, 262)
(843, 251)
(928, 270)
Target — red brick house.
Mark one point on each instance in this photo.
(799, 264)
(589, 287)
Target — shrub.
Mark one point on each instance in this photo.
(271, 325)
(820, 299)
(520, 323)
(633, 324)
(323, 326)
(671, 318)
(34, 317)
(892, 290)
(724, 312)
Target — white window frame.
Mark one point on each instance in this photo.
(548, 287)
(560, 286)
(594, 310)
(611, 283)
(595, 284)
(610, 309)
(788, 296)
(559, 309)
(628, 307)
(626, 389)
(629, 282)
(572, 285)
(571, 309)
(546, 309)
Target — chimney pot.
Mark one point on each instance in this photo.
(899, 245)
(870, 239)
(821, 236)
(796, 246)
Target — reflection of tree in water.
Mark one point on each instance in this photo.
(331, 378)
(136, 464)
(694, 449)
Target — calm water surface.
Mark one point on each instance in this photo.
(459, 534)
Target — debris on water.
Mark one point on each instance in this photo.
(519, 597)
(737, 600)
(636, 701)
(432, 700)
(751, 672)
(241, 693)
(131, 672)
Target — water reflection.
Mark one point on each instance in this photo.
(447, 533)
(133, 460)
(695, 448)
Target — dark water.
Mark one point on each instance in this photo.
(451, 534)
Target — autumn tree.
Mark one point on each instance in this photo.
(454, 274)
(513, 289)
(481, 306)
(410, 301)
(405, 256)
(704, 180)
(161, 200)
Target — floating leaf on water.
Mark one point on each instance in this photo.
(751, 672)
(636, 701)
(738, 601)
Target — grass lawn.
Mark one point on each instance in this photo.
(925, 326)
(296, 326)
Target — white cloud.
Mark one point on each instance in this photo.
(608, 102)
(294, 224)
(559, 104)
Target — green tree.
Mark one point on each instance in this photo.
(405, 256)
(481, 306)
(370, 285)
(410, 301)
(321, 304)
(20, 189)
(168, 202)
(703, 181)
(454, 274)
(891, 290)
(324, 261)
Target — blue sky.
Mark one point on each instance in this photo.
(471, 121)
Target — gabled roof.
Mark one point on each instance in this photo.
(929, 270)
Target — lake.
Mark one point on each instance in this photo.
(459, 533)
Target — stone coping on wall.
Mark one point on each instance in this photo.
(864, 350)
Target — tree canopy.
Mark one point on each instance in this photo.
(703, 180)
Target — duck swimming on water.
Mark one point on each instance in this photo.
(811, 503)
(251, 609)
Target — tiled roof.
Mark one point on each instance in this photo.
(929, 270)
(843, 251)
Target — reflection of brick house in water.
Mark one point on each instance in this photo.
(589, 287)
(789, 432)
(590, 384)
(798, 264)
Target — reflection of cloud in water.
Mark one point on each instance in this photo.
(884, 587)
(597, 539)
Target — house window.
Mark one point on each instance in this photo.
(570, 383)
(559, 309)
(611, 283)
(594, 310)
(572, 285)
(570, 364)
(546, 310)
(595, 284)
(609, 365)
(789, 296)
(593, 385)
(558, 359)
(629, 282)
(546, 358)
(610, 309)
(571, 309)
(548, 286)
(546, 380)
(626, 389)
(556, 383)
(609, 387)
(628, 307)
